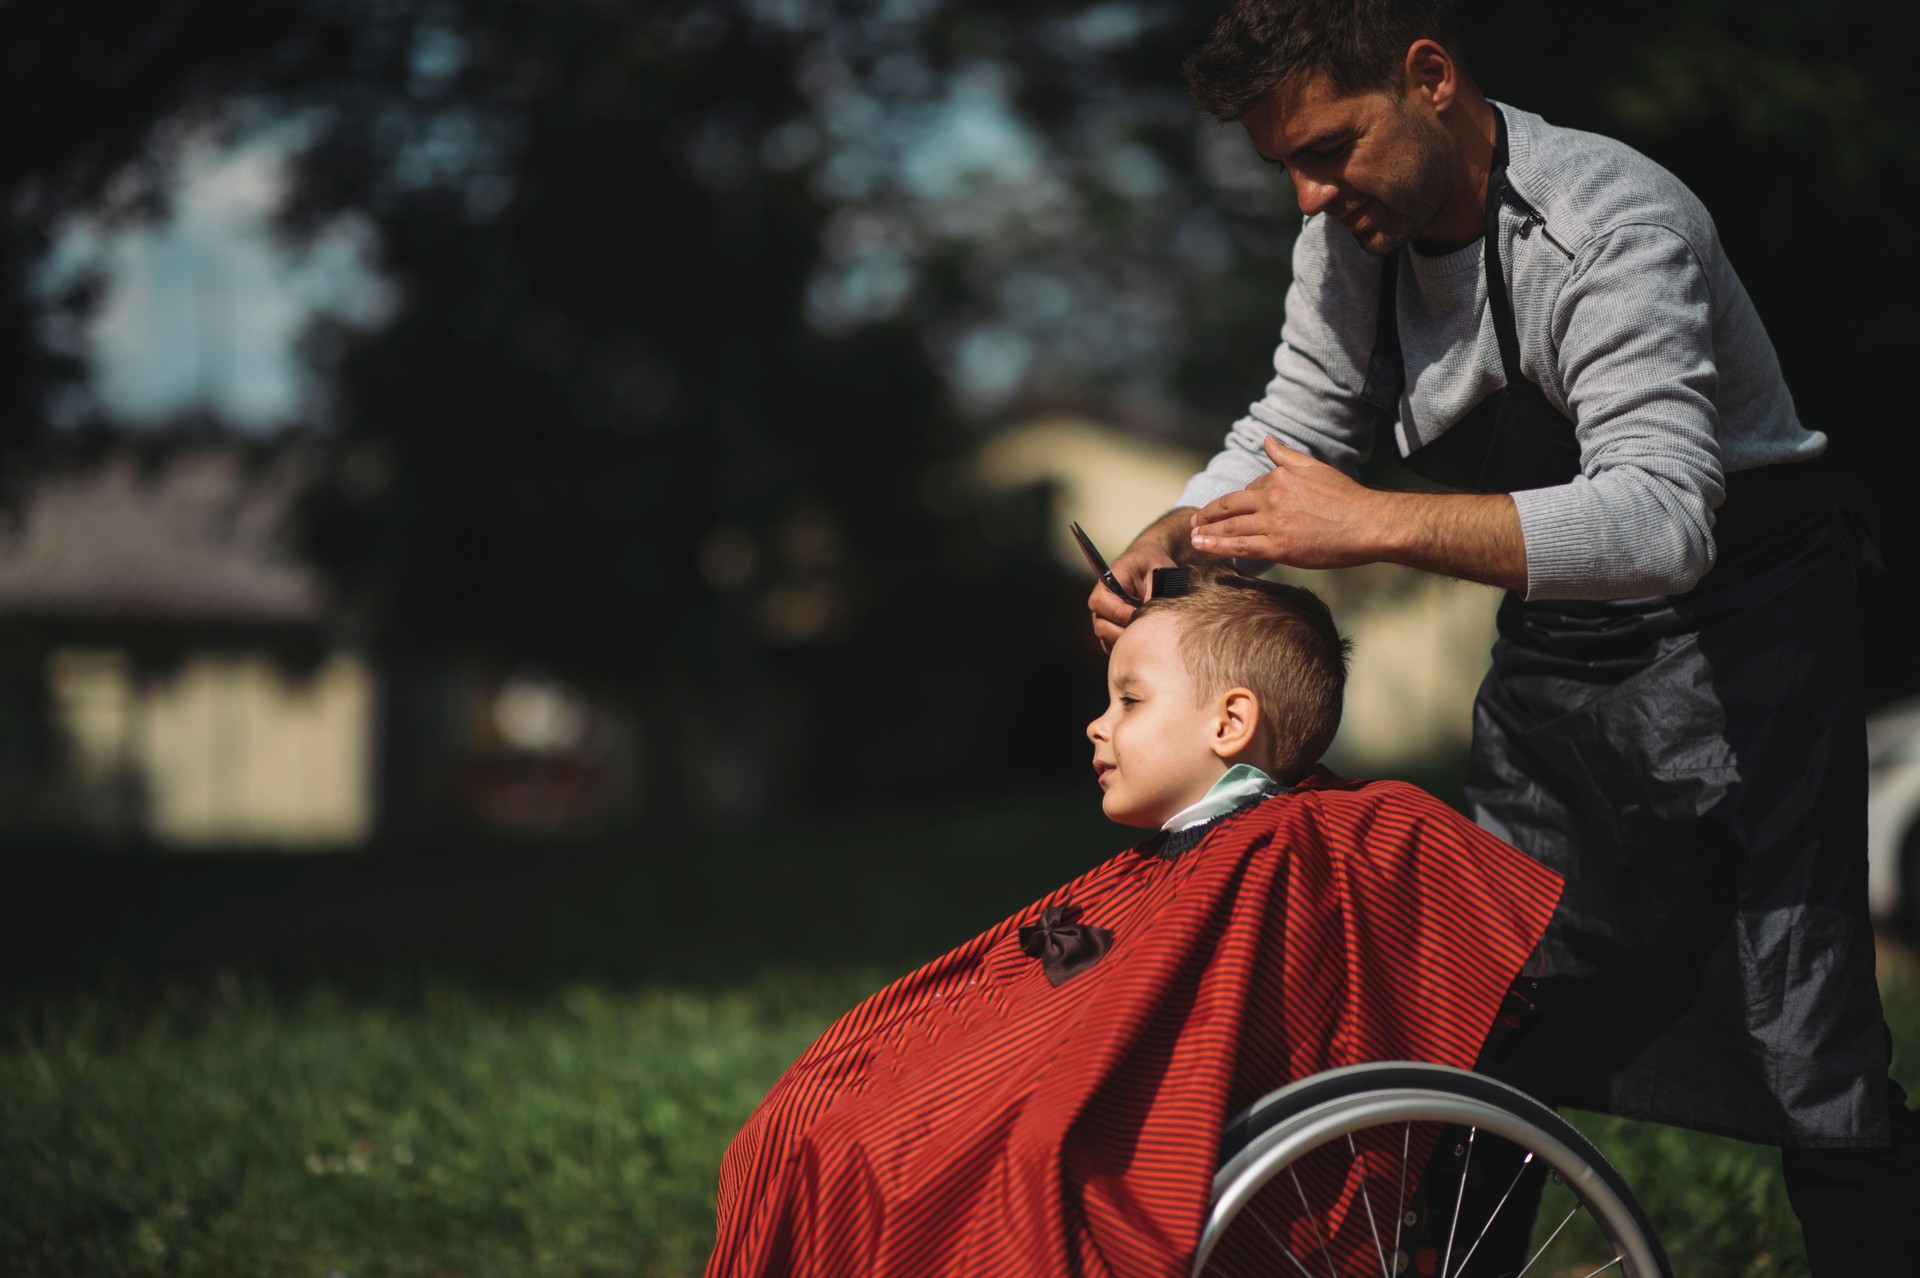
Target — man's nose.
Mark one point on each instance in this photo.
(1311, 195)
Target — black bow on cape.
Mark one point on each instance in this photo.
(1065, 949)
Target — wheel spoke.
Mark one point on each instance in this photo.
(1602, 1269)
(1284, 1249)
(1548, 1243)
(1400, 1212)
(1318, 1234)
(1367, 1199)
(1495, 1215)
(1460, 1197)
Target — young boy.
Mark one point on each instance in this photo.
(1048, 1098)
(1233, 677)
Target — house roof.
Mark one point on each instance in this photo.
(196, 537)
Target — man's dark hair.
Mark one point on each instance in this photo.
(1259, 46)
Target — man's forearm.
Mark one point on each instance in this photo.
(1473, 536)
(1168, 534)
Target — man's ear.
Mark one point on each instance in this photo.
(1430, 70)
(1236, 722)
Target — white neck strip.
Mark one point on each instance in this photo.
(1239, 785)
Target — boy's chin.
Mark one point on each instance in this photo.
(1120, 814)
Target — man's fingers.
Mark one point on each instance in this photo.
(1244, 547)
(1244, 502)
(1154, 548)
(1106, 624)
(1236, 526)
(1109, 609)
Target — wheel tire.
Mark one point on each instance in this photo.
(1367, 1103)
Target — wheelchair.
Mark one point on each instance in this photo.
(1417, 1171)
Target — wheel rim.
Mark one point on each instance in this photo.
(1334, 1125)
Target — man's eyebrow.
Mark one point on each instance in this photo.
(1325, 137)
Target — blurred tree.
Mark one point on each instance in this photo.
(699, 303)
(601, 431)
(100, 99)
(659, 404)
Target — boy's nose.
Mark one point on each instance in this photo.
(1093, 729)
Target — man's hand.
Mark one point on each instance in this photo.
(1302, 513)
(1306, 514)
(1162, 543)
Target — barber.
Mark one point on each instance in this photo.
(1542, 324)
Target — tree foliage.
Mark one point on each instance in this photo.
(698, 303)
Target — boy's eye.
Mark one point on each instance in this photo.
(1129, 700)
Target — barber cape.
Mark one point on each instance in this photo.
(976, 1117)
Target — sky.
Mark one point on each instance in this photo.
(206, 309)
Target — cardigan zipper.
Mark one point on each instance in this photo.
(1530, 218)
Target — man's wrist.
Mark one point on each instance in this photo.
(1170, 533)
(1473, 536)
(1390, 525)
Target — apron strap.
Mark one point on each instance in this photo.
(1497, 300)
(1384, 372)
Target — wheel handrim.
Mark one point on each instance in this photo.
(1340, 1118)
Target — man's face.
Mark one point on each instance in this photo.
(1378, 162)
(1151, 748)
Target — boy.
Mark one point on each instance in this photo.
(1048, 1098)
(1231, 677)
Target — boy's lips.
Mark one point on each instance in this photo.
(1101, 770)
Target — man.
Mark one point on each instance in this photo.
(1542, 323)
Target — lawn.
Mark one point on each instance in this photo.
(463, 1127)
(443, 1132)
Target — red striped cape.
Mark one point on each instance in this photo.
(972, 1118)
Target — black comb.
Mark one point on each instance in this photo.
(1171, 583)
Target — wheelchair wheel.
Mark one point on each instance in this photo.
(1418, 1171)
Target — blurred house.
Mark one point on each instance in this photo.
(188, 689)
(1420, 642)
(170, 674)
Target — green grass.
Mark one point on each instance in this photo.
(446, 1132)
(450, 1136)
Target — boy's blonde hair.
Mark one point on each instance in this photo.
(1278, 642)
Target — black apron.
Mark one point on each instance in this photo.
(1695, 766)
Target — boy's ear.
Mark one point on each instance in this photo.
(1236, 722)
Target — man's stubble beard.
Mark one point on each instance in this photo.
(1417, 195)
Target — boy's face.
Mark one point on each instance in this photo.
(1152, 749)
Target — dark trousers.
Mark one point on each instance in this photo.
(1860, 1208)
